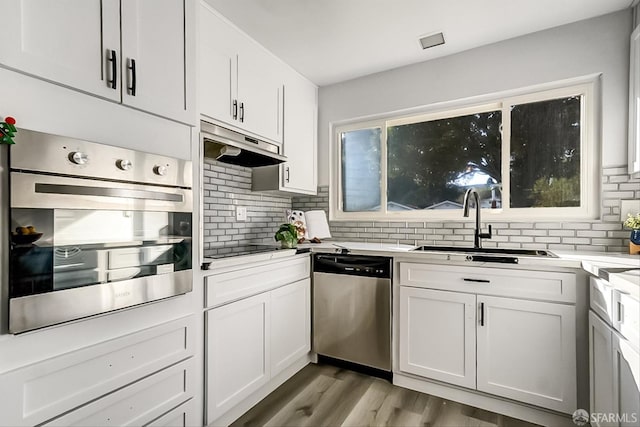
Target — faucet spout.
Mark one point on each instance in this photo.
(478, 235)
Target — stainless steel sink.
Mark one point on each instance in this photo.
(492, 251)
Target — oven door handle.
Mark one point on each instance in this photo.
(83, 190)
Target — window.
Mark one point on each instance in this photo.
(528, 156)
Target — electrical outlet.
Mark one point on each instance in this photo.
(241, 213)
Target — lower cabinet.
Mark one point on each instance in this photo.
(128, 380)
(519, 349)
(137, 404)
(527, 351)
(614, 366)
(423, 314)
(252, 340)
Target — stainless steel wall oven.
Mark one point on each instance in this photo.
(93, 228)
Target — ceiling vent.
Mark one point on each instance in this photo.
(433, 40)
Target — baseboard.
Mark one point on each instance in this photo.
(488, 403)
(237, 411)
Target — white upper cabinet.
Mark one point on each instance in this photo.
(299, 174)
(67, 41)
(156, 42)
(77, 43)
(240, 83)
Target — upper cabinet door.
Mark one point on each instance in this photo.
(155, 57)
(300, 130)
(70, 42)
(217, 69)
(260, 91)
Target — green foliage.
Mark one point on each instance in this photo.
(632, 222)
(288, 235)
(556, 192)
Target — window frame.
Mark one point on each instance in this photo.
(590, 171)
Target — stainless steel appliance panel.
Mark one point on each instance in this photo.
(26, 192)
(94, 228)
(352, 309)
(42, 152)
(352, 319)
(35, 311)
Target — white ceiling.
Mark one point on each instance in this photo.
(329, 41)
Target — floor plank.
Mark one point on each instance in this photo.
(324, 395)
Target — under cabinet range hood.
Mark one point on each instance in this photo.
(228, 146)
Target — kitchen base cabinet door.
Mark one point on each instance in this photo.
(237, 352)
(290, 324)
(600, 368)
(626, 380)
(526, 351)
(437, 335)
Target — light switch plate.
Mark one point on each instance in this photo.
(629, 207)
(241, 213)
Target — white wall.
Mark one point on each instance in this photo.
(598, 45)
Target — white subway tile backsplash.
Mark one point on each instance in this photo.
(604, 234)
(225, 188)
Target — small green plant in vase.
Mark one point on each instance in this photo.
(287, 235)
(633, 222)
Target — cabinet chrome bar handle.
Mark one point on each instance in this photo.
(235, 109)
(481, 314)
(242, 112)
(620, 312)
(286, 176)
(113, 58)
(477, 280)
(132, 67)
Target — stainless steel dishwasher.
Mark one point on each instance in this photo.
(352, 309)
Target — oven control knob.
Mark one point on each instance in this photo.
(78, 157)
(124, 164)
(160, 170)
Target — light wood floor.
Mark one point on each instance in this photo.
(323, 395)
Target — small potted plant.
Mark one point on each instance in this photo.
(287, 235)
(633, 222)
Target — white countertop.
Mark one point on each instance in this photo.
(622, 270)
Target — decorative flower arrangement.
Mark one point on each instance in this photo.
(632, 222)
(7, 130)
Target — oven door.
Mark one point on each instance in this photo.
(81, 247)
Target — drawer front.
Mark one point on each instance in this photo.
(539, 285)
(183, 416)
(601, 299)
(47, 389)
(245, 282)
(627, 316)
(136, 404)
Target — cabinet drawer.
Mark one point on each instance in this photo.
(242, 283)
(539, 285)
(601, 299)
(136, 404)
(183, 416)
(42, 391)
